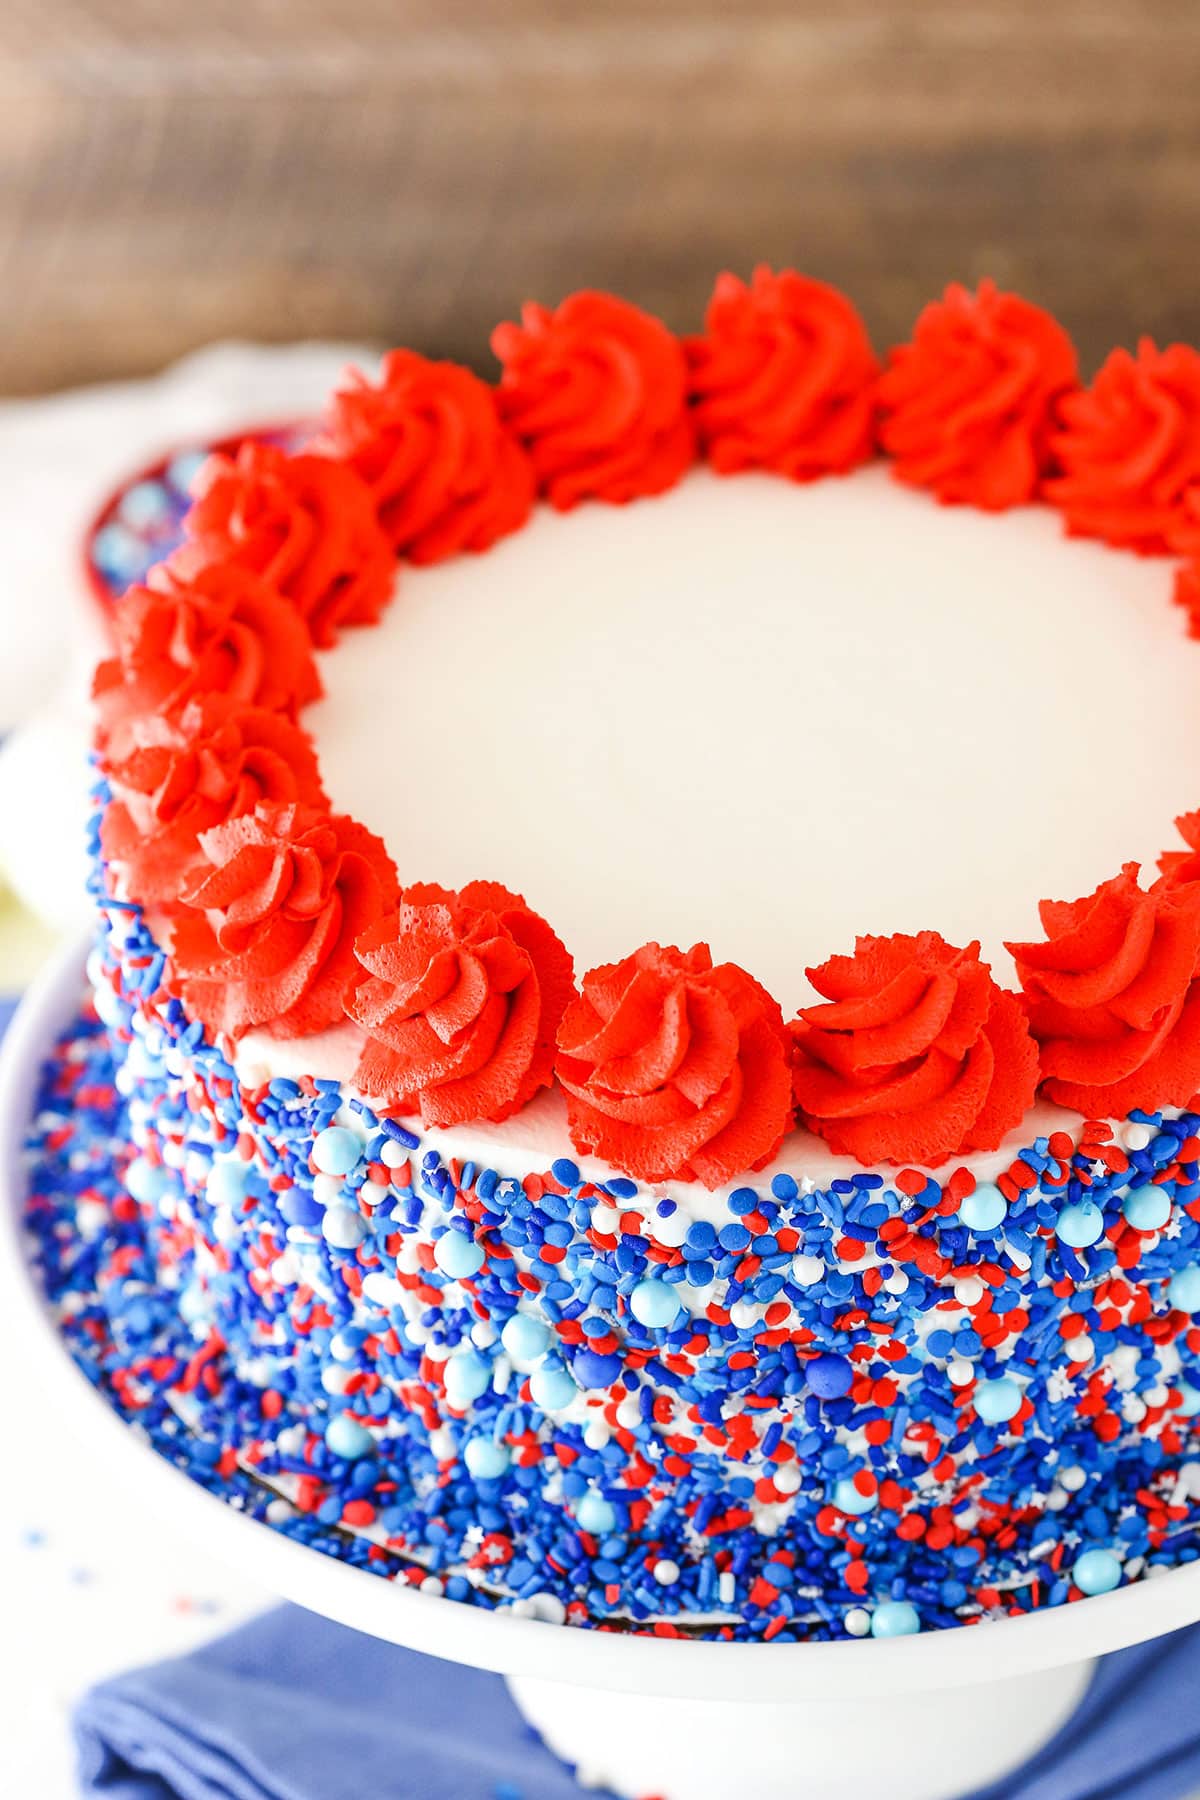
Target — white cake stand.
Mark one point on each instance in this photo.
(920, 1718)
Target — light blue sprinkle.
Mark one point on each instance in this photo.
(895, 1618)
(486, 1460)
(847, 1499)
(1097, 1572)
(145, 1180)
(997, 1401)
(226, 1183)
(458, 1255)
(335, 1150)
(1080, 1226)
(596, 1514)
(985, 1209)
(1183, 1289)
(343, 1228)
(525, 1338)
(1147, 1208)
(467, 1376)
(655, 1304)
(347, 1439)
(552, 1387)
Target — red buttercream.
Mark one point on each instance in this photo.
(967, 406)
(1185, 538)
(1179, 866)
(460, 1003)
(305, 523)
(1186, 593)
(1112, 996)
(267, 936)
(186, 773)
(222, 632)
(783, 378)
(597, 391)
(444, 473)
(917, 1054)
(674, 1069)
(1129, 448)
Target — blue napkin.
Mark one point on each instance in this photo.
(292, 1707)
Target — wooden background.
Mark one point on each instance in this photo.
(411, 169)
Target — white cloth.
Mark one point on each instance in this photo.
(59, 459)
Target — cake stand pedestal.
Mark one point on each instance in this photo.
(911, 1746)
(920, 1718)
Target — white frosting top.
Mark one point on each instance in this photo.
(770, 717)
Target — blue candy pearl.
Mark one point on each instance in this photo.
(335, 1150)
(486, 1460)
(525, 1338)
(595, 1369)
(1183, 1289)
(299, 1208)
(1097, 1572)
(343, 1228)
(997, 1401)
(458, 1255)
(551, 1387)
(1148, 1208)
(655, 1304)
(847, 1499)
(895, 1618)
(467, 1376)
(145, 1180)
(1080, 1226)
(830, 1377)
(984, 1210)
(1189, 1399)
(347, 1439)
(596, 1514)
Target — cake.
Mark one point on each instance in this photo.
(838, 1278)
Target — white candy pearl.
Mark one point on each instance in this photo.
(807, 1270)
(671, 1231)
(1135, 1136)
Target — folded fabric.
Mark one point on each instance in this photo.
(293, 1707)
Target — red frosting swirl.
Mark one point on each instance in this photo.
(460, 1003)
(597, 391)
(266, 937)
(1112, 996)
(1129, 448)
(916, 1056)
(1179, 866)
(443, 472)
(305, 523)
(1186, 593)
(186, 773)
(967, 406)
(783, 378)
(674, 1069)
(222, 632)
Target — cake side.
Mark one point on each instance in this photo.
(877, 1404)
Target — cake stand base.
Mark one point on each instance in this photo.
(933, 1746)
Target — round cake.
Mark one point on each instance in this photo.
(602, 1072)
